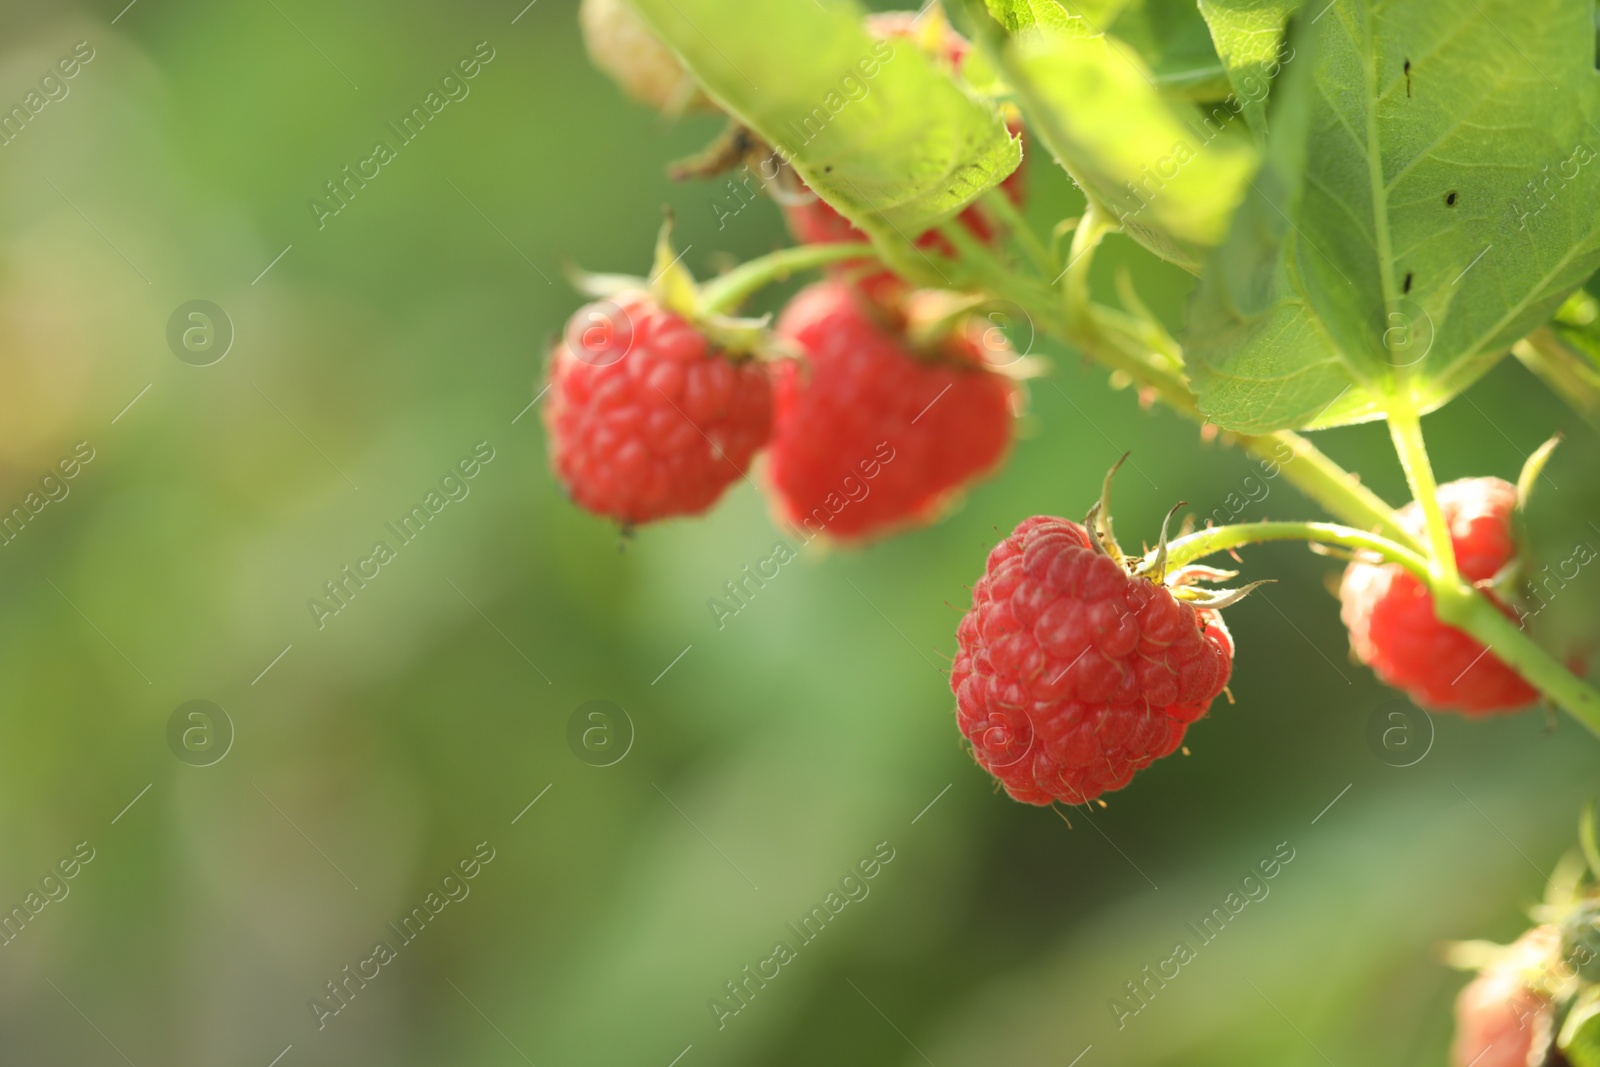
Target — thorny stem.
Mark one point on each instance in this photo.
(1459, 605)
(1202, 543)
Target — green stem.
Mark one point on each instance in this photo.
(1116, 341)
(1203, 543)
(1468, 609)
(1406, 429)
(1121, 343)
(1455, 604)
(724, 295)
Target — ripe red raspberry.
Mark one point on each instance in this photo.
(647, 418)
(1499, 1018)
(1394, 630)
(1071, 674)
(871, 435)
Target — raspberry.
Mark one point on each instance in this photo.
(647, 418)
(1393, 628)
(935, 422)
(624, 47)
(1071, 674)
(1499, 1018)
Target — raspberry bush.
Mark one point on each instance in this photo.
(1361, 252)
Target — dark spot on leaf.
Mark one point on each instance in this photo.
(1407, 286)
(828, 169)
(1450, 198)
(1408, 78)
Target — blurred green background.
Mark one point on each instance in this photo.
(376, 752)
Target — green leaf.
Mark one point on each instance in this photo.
(1249, 38)
(1579, 1039)
(1174, 40)
(1431, 194)
(873, 127)
(1020, 15)
(1169, 173)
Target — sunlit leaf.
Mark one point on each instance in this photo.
(1249, 38)
(1171, 173)
(1579, 1040)
(1432, 193)
(874, 127)
(1175, 42)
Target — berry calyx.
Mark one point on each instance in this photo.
(871, 434)
(647, 417)
(1390, 613)
(1072, 672)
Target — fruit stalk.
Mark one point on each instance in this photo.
(1456, 603)
(724, 295)
(1405, 427)
(1202, 543)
